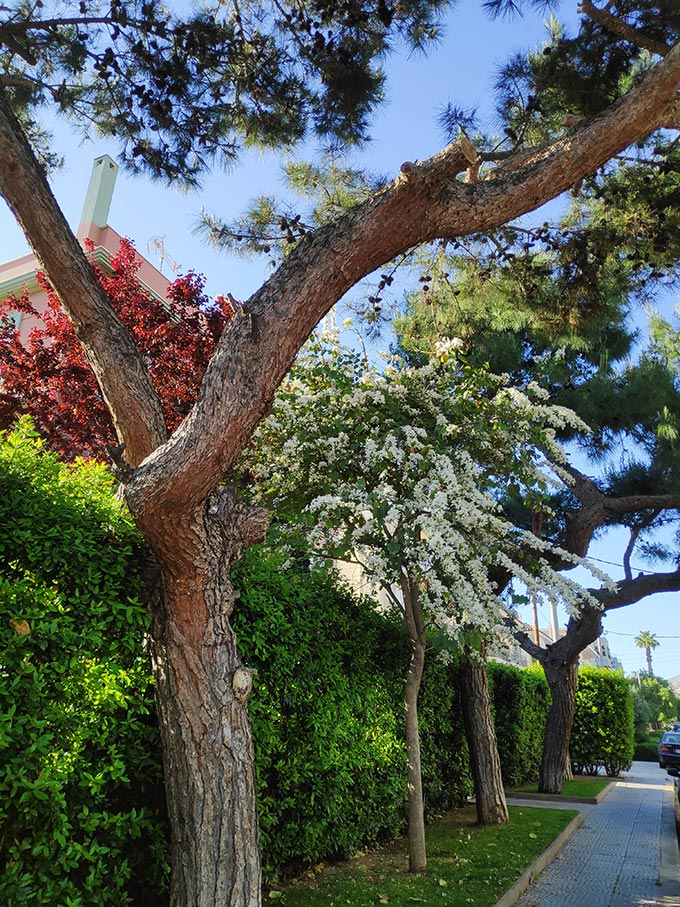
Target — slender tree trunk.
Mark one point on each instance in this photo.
(202, 689)
(648, 653)
(485, 763)
(416, 809)
(562, 678)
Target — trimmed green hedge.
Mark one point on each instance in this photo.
(81, 796)
(520, 698)
(327, 715)
(647, 750)
(327, 739)
(603, 733)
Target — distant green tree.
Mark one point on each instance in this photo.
(642, 713)
(658, 700)
(647, 641)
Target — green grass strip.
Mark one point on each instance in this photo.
(468, 864)
(579, 787)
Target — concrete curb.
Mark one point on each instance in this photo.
(513, 894)
(559, 798)
(669, 857)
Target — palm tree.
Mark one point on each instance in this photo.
(647, 641)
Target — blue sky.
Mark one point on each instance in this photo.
(460, 69)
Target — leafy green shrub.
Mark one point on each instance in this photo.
(647, 750)
(327, 715)
(602, 734)
(445, 761)
(81, 815)
(520, 698)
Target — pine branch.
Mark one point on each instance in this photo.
(627, 592)
(634, 535)
(621, 29)
(672, 118)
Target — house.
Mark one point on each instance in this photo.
(597, 654)
(20, 274)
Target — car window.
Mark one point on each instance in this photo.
(670, 738)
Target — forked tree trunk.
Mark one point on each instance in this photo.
(485, 762)
(559, 661)
(562, 677)
(417, 856)
(202, 689)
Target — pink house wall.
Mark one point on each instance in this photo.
(19, 275)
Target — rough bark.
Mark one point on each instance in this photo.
(417, 856)
(202, 689)
(560, 662)
(485, 762)
(562, 677)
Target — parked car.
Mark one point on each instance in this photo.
(669, 751)
(674, 726)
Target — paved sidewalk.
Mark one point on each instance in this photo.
(624, 855)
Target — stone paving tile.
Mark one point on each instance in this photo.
(613, 860)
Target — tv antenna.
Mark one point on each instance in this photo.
(156, 246)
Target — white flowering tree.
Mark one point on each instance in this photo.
(395, 469)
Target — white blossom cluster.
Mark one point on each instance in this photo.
(397, 470)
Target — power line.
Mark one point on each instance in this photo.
(639, 569)
(632, 635)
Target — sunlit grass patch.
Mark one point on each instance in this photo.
(579, 787)
(467, 864)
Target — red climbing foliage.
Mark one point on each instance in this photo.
(48, 377)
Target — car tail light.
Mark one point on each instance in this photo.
(665, 748)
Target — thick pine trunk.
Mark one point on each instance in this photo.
(562, 677)
(417, 856)
(202, 689)
(208, 764)
(485, 762)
